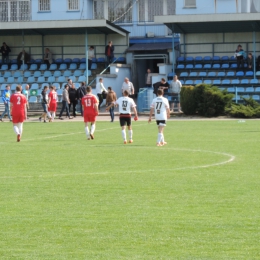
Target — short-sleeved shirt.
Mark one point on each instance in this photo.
(128, 86)
(125, 105)
(53, 97)
(18, 100)
(88, 102)
(160, 106)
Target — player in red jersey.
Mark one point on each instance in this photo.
(90, 107)
(18, 110)
(52, 103)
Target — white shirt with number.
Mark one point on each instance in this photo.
(160, 106)
(125, 105)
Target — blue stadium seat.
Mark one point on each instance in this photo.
(47, 74)
(17, 74)
(231, 90)
(95, 60)
(38, 61)
(233, 66)
(189, 66)
(226, 82)
(51, 79)
(221, 74)
(33, 67)
(249, 74)
(20, 80)
(82, 78)
(89, 73)
(256, 97)
(257, 73)
(13, 87)
(225, 66)
(37, 73)
(24, 67)
(246, 96)
(250, 90)
(61, 79)
(73, 78)
(101, 59)
(170, 75)
(63, 85)
(221, 89)
(53, 66)
(63, 66)
(43, 67)
(207, 66)
(240, 90)
(179, 66)
(114, 59)
(83, 60)
(193, 74)
(257, 89)
(3, 88)
(32, 61)
(32, 99)
(184, 74)
(73, 66)
(41, 79)
(240, 74)
(212, 74)
(225, 58)
(198, 59)
(232, 58)
(14, 61)
(67, 60)
(216, 58)
(44, 84)
(182, 82)
(35, 86)
(77, 73)
(56, 85)
(216, 82)
(82, 66)
(235, 82)
(216, 66)
(59, 60)
(120, 59)
(254, 81)
(244, 81)
(77, 85)
(76, 60)
(207, 81)
(7, 74)
(94, 66)
(203, 74)
(27, 74)
(4, 67)
(14, 67)
(30, 80)
(189, 59)
(198, 81)
(57, 73)
(198, 66)
(59, 92)
(207, 58)
(67, 73)
(180, 59)
(10, 80)
(188, 82)
(230, 74)
(2, 80)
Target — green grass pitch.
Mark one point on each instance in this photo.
(63, 197)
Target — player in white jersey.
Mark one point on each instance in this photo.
(161, 109)
(125, 105)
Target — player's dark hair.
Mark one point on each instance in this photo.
(109, 88)
(160, 92)
(88, 88)
(100, 79)
(126, 93)
(7, 86)
(163, 79)
(51, 87)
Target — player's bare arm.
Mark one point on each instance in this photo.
(136, 116)
(150, 116)
(168, 112)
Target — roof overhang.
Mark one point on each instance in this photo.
(151, 46)
(211, 23)
(61, 27)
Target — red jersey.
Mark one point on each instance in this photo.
(88, 102)
(53, 97)
(18, 100)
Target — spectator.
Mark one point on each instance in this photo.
(65, 102)
(23, 57)
(111, 98)
(26, 92)
(127, 85)
(48, 57)
(73, 98)
(81, 92)
(6, 98)
(5, 53)
(175, 90)
(148, 78)
(109, 52)
(239, 56)
(44, 104)
(70, 83)
(160, 85)
(91, 55)
(101, 92)
(250, 61)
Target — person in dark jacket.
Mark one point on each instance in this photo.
(81, 92)
(163, 84)
(109, 52)
(73, 98)
(23, 57)
(5, 53)
(44, 104)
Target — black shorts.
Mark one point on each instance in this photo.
(125, 119)
(175, 97)
(158, 122)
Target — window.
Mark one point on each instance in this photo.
(148, 9)
(15, 10)
(189, 3)
(99, 10)
(44, 5)
(73, 4)
(120, 11)
(171, 7)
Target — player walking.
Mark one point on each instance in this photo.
(19, 112)
(52, 103)
(161, 110)
(90, 111)
(125, 105)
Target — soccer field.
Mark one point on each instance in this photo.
(63, 197)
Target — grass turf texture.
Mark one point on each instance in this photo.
(63, 197)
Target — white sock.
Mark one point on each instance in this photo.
(53, 115)
(49, 114)
(16, 130)
(92, 129)
(159, 138)
(124, 134)
(20, 127)
(87, 131)
(162, 139)
(130, 132)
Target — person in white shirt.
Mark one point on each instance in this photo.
(174, 91)
(161, 110)
(91, 55)
(101, 91)
(127, 85)
(125, 104)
